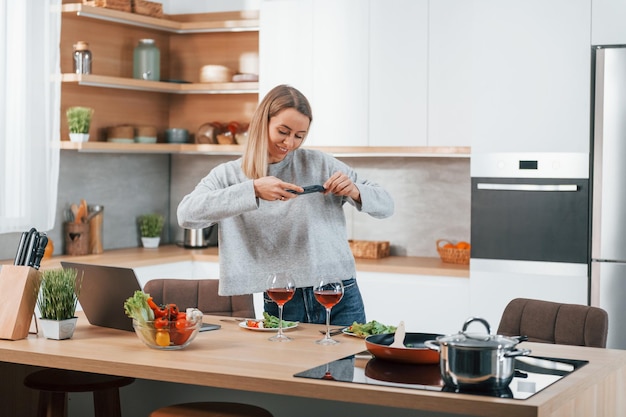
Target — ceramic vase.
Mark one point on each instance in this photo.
(150, 242)
(58, 329)
(79, 137)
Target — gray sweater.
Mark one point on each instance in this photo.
(305, 236)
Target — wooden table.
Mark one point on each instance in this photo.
(240, 359)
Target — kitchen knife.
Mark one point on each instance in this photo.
(40, 250)
(19, 256)
(33, 239)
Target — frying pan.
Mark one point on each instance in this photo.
(414, 352)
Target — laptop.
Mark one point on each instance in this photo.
(103, 292)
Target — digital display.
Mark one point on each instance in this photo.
(528, 164)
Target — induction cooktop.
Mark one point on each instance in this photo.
(532, 374)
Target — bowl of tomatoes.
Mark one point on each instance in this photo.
(164, 326)
(166, 334)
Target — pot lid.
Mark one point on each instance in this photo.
(478, 340)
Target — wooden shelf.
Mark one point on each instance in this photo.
(238, 23)
(160, 86)
(175, 148)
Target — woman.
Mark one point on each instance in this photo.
(266, 228)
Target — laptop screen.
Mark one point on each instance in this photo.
(103, 292)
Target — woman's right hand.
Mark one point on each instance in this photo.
(272, 188)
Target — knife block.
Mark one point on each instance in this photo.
(19, 287)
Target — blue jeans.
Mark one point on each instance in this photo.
(303, 307)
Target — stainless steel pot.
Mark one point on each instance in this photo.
(477, 361)
(197, 238)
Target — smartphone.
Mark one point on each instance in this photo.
(208, 326)
(310, 189)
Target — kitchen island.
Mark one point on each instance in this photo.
(233, 358)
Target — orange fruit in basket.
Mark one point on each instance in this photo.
(449, 246)
(463, 245)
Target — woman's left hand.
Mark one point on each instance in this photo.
(340, 184)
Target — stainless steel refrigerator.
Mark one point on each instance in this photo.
(608, 224)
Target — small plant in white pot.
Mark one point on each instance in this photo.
(150, 228)
(57, 301)
(78, 122)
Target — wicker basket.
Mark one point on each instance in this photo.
(452, 255)
(148, 8)
(122, 5)
(369, 249)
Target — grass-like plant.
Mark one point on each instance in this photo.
(151, 225)
(79, 119)
(58, 293)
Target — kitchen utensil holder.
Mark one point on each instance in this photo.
(19, 286)
(76, 238)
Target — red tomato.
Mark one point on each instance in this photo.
(252, 323)
(161, 323)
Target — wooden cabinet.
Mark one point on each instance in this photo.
(185, 45)
(530, 76)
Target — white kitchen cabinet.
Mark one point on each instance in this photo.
(398, 73)
(428, 304)
(449, 72)
(531, 76)
(362, 64)
(321, 48)
(607, 23)
(286, 46)
(340, 75)
(495, 282)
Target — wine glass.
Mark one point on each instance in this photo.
(280, 287)
(328, 292)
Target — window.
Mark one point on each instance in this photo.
(29, 113)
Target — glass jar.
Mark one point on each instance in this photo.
(82, 58)
(146, 61)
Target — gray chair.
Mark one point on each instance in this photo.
(201, 294)
(559, 323)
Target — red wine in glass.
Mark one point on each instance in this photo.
(280, 287)
(328, 292)
(328, 298)
(281, 295)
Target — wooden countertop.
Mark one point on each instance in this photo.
(137, 257)
(235, 358)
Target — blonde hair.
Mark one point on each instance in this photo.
(255, 157)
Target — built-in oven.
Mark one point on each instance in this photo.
(530, 219)
(529, 230)
(528, 213)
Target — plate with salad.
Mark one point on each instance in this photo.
(363, 330)
(268, 323)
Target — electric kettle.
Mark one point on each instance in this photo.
(200, 238)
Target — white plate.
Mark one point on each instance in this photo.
(348, 333)
(243, 325)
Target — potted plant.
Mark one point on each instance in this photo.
(150, 228)
(56, 302)
(79, 121)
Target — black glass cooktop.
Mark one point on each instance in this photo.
(532, 374)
